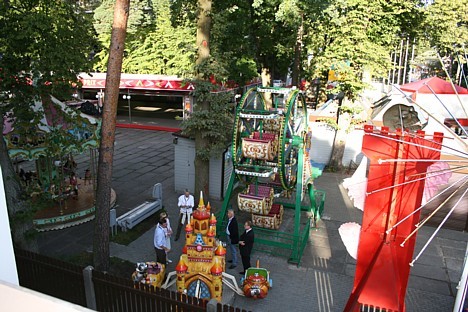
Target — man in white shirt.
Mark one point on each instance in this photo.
(159, 241)
(186, 203)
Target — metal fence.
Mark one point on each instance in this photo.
(51, 276)
(119, 295)
(103, 292)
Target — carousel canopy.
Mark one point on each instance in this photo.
(61, 130)
(439, 86)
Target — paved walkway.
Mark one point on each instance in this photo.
(324, 280)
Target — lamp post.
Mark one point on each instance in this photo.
(128, 97)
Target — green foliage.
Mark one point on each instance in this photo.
(214, 124)
(359, 33)
(247, 38)
(103, 18)
(446, 26)
(162, 48)
(331, 123)
(352, 110)
(43, 45)
(153, 44)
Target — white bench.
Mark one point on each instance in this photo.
(133, 217)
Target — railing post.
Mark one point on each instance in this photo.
(211, 305)
(89, 288)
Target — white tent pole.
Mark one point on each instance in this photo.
(411, 63)
(420, 224)
(406, 61)
(394, 64)
(422, 206)
(399, 62)
(438, 228)
(409, 182)
(462, 286)
(423, 146)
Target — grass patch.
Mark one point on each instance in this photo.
(118, 267)
(125, 238)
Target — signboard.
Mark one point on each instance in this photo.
(134, 81)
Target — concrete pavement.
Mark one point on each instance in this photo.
(324, 280)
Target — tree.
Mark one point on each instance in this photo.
(214, 125)
(254, 35)
(43, 45)
(202, 106)
(106, 149)
(445, 31)
(354, 37)
(164, 49)
(154, 44)
(231, 43)
(103, 25)
(446, 25)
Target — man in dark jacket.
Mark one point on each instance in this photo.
(232, 231)
(246, 242)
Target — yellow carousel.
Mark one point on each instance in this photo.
(200, 271)
(202, 263)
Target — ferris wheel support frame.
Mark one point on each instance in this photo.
(296, 241)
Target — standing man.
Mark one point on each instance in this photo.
(246, 242)
(185, 203)
(160, 241)
(232, 231)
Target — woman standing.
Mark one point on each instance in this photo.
(168, 232)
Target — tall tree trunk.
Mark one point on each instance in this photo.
(339, 143)
(203, 44)
(296, 70)
(266, 81)
(106, 149)
(17, 204)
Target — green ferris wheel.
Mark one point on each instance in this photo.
(272, 170)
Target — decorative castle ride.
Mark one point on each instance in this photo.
(271, 164)
(202, 263)
(200, 271)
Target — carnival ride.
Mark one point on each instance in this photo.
(272, 168)
(149, 273)
(200, 271)
(51, 144)
(394, 191)
(403, 165)
(256, 282)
